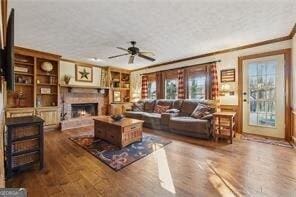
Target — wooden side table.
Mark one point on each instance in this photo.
(224, 125)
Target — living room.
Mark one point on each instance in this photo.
(156, 98)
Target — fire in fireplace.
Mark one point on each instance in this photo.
(84, 110)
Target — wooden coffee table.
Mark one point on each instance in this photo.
(120, 133)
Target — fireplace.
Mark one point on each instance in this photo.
(84, 110)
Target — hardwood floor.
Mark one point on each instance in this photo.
(186, 167)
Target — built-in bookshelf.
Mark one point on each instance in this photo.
(36, 85)
(119, 85)
(24, 70)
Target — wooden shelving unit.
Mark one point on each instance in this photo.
(118, 82)
(32, 82)
(120, 86)
(25, 143)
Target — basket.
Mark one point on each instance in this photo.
(25, 145)
(20, 132)
(20, 160)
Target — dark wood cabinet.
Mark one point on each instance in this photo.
(24, 144)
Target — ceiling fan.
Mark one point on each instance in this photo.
(133, 51)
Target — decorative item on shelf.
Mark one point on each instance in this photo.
(21, 69)
(19, 79)
(67, 79)
(47, 67)
(227, 75)
(125, 78)
(38, 101)
(21, 60)
(19, 96)
(38, 81)
(53, 104)
(52, 80)
(117, 117)
(116, 96)
(28, 80)
(115, 84)
(126, 99)
(84, 73)
(102, 91)
(126, 85)
(45, 90)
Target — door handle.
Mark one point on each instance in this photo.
(244, 93)
(245, 100)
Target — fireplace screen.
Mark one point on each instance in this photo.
(84, 109)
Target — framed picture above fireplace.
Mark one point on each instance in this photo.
(116, 96)
(83, 73)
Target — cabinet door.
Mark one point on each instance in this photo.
(50, 117)
(19, 113)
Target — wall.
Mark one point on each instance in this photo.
(228, 60)
(68, 68)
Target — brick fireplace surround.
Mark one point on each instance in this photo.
(69, 96)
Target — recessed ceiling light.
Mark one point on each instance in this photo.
(96, 59)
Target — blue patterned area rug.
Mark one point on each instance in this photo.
(115, 157)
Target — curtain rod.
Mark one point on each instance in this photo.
(183, 67)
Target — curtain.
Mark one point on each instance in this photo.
(144, 92)
(214, 82)
(159, 85)
(181, 87)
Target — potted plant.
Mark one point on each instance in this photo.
(67, 79)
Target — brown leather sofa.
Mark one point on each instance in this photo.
(178, 120)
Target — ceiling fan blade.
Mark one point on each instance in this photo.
(123, 49)
(117, 56)
(146, 57)
(147, 52)
(131, 59)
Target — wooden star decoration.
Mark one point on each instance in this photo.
(84, 74)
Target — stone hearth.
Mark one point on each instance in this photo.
(78, 97)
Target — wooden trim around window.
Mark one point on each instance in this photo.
(287, 56)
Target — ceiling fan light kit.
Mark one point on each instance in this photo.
(134, 51)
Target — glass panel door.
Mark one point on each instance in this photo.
(262, 93)
(263, 96)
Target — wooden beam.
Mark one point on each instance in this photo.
(293, 32)
(4, 21)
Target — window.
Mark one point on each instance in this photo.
(197, 87)
(152, 90)
(262, 88)
(171, 88)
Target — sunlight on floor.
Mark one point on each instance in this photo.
(221, 185)
(164, 173)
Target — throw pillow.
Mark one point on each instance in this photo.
(161, 109)
(139, 107)
(172, 111)
(200, 111)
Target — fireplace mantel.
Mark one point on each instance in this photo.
(82, 86)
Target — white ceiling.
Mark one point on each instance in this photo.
(172, 29)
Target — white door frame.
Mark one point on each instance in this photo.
(287, 56)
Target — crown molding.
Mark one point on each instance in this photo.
(271, 41)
